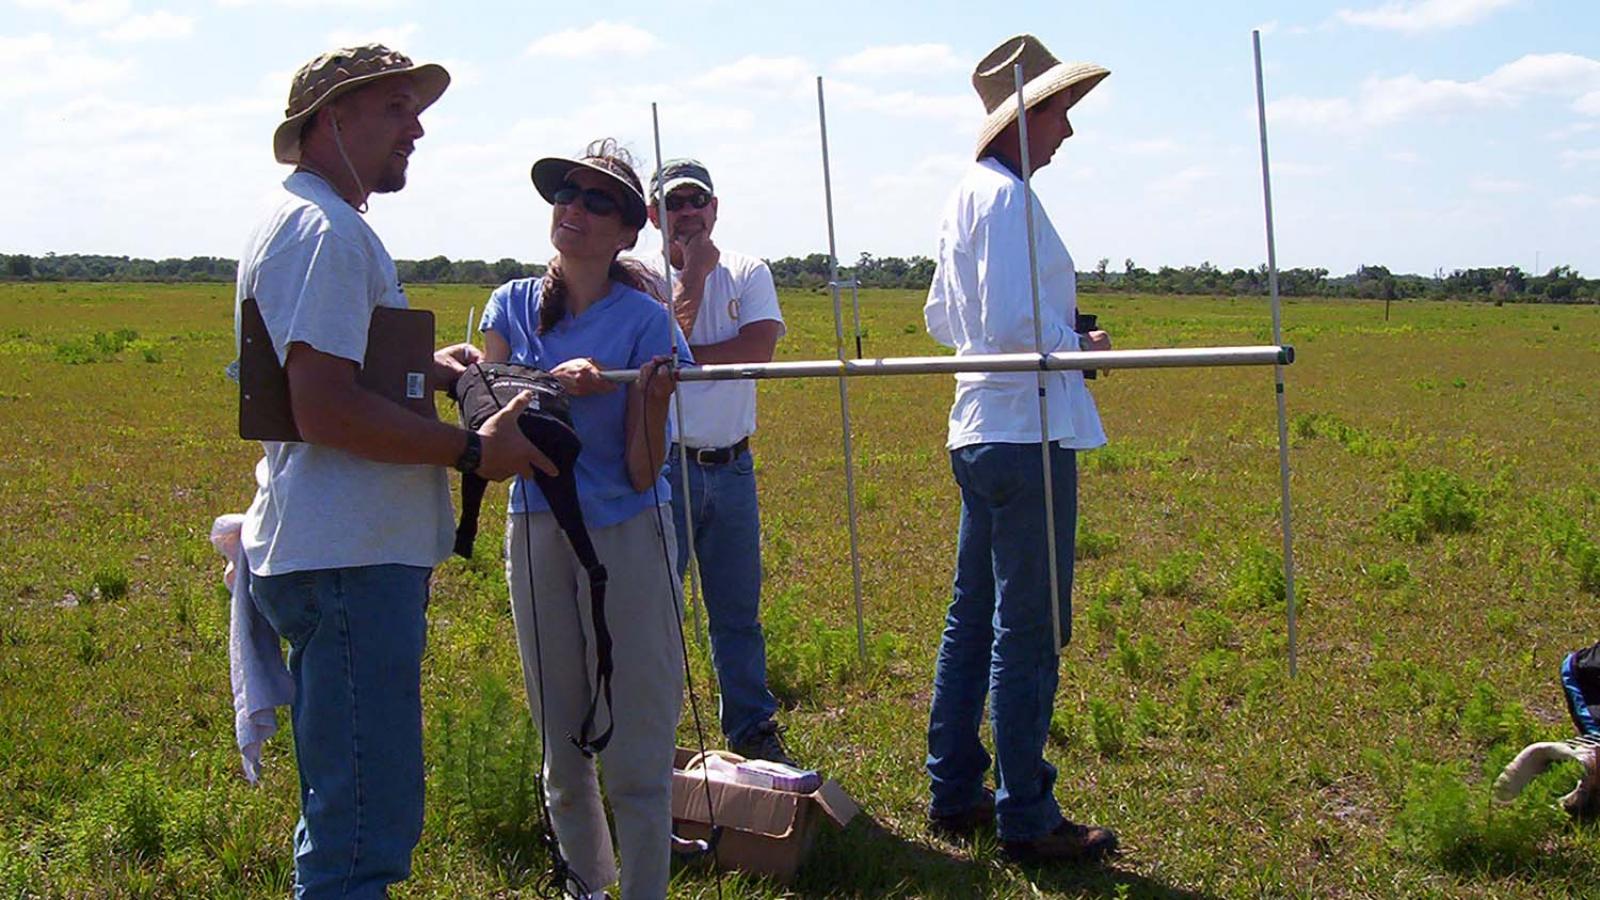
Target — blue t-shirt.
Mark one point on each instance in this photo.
(622, 330)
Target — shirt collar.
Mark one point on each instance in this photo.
(1005, 163)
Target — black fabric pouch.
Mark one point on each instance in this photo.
(483, 390)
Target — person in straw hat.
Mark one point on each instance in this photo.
(999, 640)
(347, 525)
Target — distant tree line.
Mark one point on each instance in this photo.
(90, 267)
(1509, 284)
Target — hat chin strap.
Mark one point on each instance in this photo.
(349, 167)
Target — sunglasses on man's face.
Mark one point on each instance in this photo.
(594, 200)
(696, 199)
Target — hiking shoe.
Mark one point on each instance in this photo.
(964, 824)
(765, 741)
(1069, 842)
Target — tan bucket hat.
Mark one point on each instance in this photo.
(343, 70)
(1043, 76)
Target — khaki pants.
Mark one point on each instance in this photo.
(644, 614)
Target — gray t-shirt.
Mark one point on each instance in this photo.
(317, 271)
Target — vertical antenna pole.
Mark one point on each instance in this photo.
(1038, 346)
(683, 453)
(1277, 370)
(844, 391)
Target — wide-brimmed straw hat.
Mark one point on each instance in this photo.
(339, 72)
(1043, 76)
(550, 174)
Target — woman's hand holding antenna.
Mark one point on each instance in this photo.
(581, 377)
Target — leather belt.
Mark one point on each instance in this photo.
(718, 456)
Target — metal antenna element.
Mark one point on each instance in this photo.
(1038, 346)
(1167, 358)
(683, 452)
(1277, 370)
(472, 315)
(844, 391)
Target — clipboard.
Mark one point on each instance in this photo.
(397, 367)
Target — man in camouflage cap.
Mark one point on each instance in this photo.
(348, 524)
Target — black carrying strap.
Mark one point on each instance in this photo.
(481, 392)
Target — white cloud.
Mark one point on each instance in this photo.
(1551, 73)
(897, 59)
(1267, 28)
(81, 12)
(1301, 170)
(953, 108)
(38, 64)
(157, 26)
(365, 5)
(1314, 112)
(1579, 201)
(1588, 104)
(1385, 101)
(1422, 15)
(759, 74)
(1487, 185)
(1409, 157)
(398, 37)
(1151, 146)
(1578, 157)
(97, 121)
(938, 172)
(1572, 131)
(603, 37)
(1179, 183)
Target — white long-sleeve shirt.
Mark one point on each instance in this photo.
(981, 301)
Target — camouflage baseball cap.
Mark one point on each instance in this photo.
(340, 71)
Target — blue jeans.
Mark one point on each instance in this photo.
(997, 637)
(355, 638)
(727, 542)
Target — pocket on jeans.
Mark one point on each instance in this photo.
(289, 603)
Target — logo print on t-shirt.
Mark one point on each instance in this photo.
(733, 308)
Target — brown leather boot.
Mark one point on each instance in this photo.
(1069, 842)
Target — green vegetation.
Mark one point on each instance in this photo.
(1501, 284)
(1446, 557)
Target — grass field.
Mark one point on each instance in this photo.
(1447, 508)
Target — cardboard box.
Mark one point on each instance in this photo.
(764, 831)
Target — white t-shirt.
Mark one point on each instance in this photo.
(317, 270)
(981, 301)
(738, 291)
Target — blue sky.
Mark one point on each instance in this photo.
(1418, 134)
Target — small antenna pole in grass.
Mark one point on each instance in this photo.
(844, 390)
(1038, 346)
(1277, 370)
(683, 451)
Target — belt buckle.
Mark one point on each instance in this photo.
(705, 456)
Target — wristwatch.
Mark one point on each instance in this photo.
(468, 461)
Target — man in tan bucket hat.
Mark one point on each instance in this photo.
(999, 640)
(348, 524)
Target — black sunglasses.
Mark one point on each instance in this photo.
(697, 199)
(594, 200)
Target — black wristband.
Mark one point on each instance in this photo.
(467, 463)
